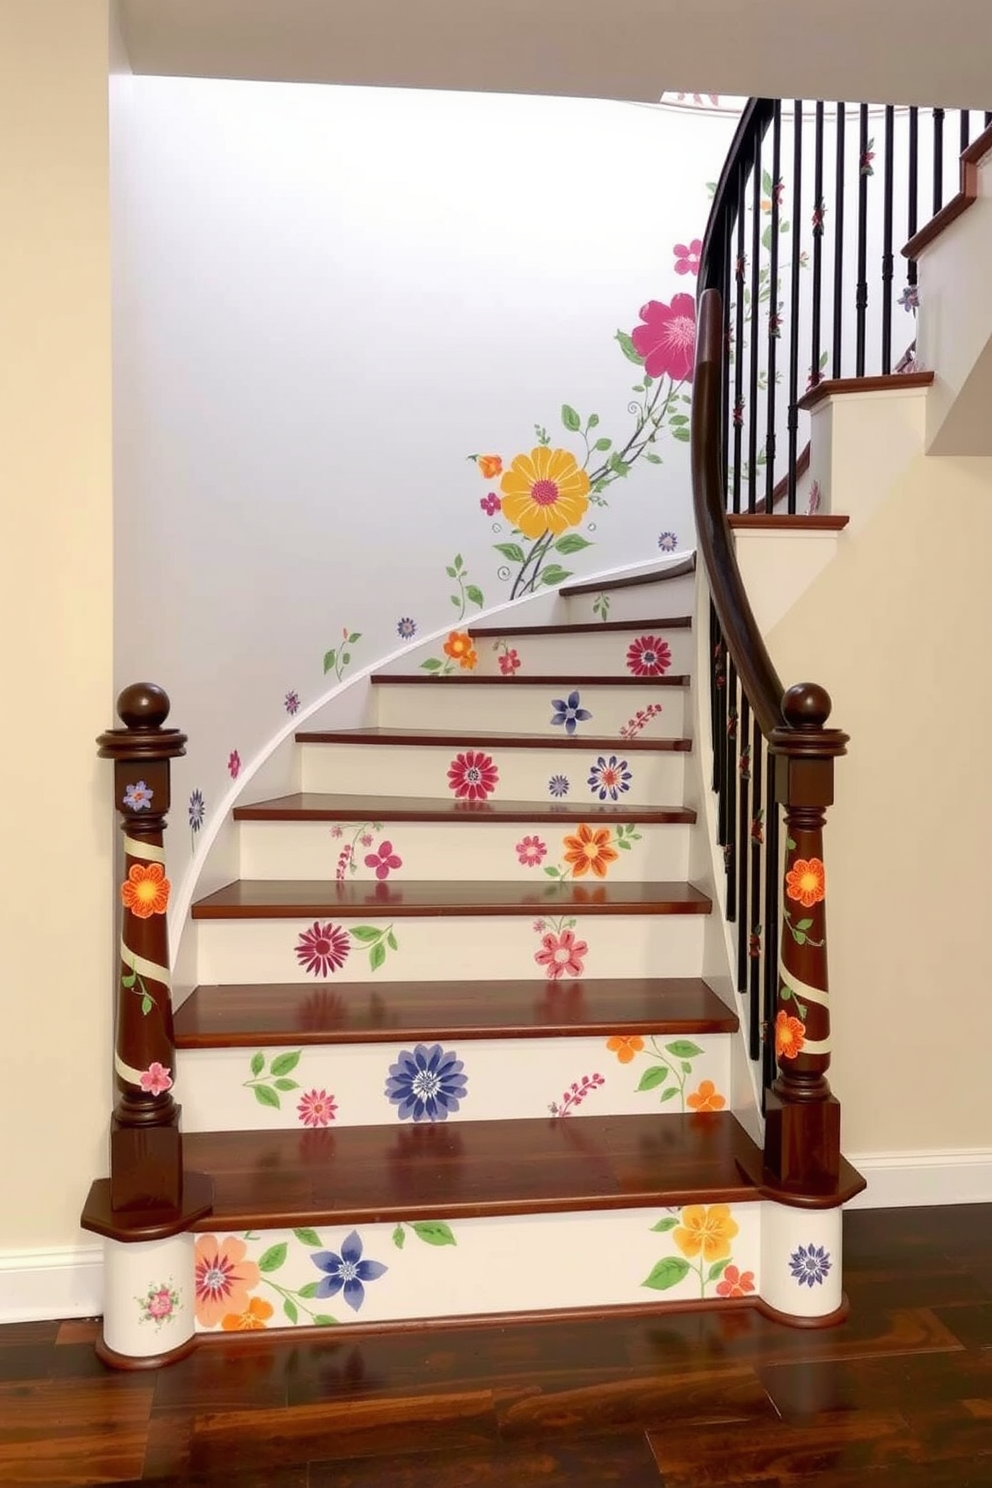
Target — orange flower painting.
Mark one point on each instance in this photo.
(590, 851)
(223, 1279)
(145, 891)
(706, 1098)
(255, 1316)
(459, 647)
(805, 882)
(706, 1230)
(625, 1046)
(790, 1035)
(489, 465)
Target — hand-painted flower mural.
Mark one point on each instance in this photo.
(159, 1304)
(649, 656)
(323, 948)
(641, 718)
(667, 338)
(703, 1233)
(383, 861)
(339, 657)
(810, 1265)
(735, 1283)
(790, 1035)
(255, 1316)
(223, 1278)
(406, 628)
(317, 1108)
(460, 649)
(473, 775)
(625, 1046)
(569, 713)
(805, 882)
(668, 542)
(156, 1079)
(590, 850)
(609, 778)
(558, 786)
(531, 851)
(561, 954)
(576, 1093)
(234, 764)
(267, 1082)
(687, 256)
(427, 1083)
(138, 797)
(545, 492)
(145, 891)
(291, 702)
(670, 1066)
(347, 1273)
(197, 811)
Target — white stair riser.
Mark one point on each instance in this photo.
(440, 948)
(505, 1264)
(603, 654)
(516, 708)
(523, 774)
(672, 597)
(446, 850)
(502, 1079)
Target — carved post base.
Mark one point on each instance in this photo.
(802, 1142)
(146, 1166)
(148, 1305)
(801, 1266)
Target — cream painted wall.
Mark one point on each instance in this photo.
(897, 629)
(56, 586)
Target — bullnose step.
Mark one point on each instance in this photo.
(464, 1170)
(246, 1016)
(320, 806)
(405, 738)
(289, 899)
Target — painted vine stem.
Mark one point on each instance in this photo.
(146, 1170)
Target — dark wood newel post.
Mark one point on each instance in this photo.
(802, 1125)
(146, 1166)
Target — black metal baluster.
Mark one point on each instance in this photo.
(797, 197)
(913, 189)
(988, 118)
(740, 265)
(861, 293)
(837, 366)
(730, 789)
(753, 328)
(772, 891)
(774, 308)
(742, 756)
(965, 129)
(938, 160)
(888, 260)
(759, 917)
(716, 690)
(819, 227)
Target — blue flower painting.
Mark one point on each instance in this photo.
(427, 1083)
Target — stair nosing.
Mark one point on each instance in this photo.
(492, 739)
(435, 809)
(659, 575)
(519, 679)
(583, 627)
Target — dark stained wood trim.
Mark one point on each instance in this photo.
(313, 806)
(445, 739)
(953, 209)
(471, 1169)
(130, 1362)
(849, 1183)
(292, 899)
(792, 1320)
(832, 387)
(473, 679)
(583, 627)
(256, 1015)
(134, 1225)
(653, 576)
(779, 522)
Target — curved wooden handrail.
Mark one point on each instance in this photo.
(741, 635)
(751, 128)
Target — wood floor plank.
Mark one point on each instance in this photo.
(354, 1012)
(52, 1437)
(590, 1463)
(755, 1452)
(469, 1168)
(270, 899)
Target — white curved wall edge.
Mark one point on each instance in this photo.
(36, 1285)
(543, 604)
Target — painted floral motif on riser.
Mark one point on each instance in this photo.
(611, 654)
(669, 597)
(326, 1085)
(431, 948)
(246, 1279)
(470, 850)
(510, 707)
(522, 774)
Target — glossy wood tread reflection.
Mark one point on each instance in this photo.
(632, 581)
(552, 682)
(285, 899)
(317, 806)
(490, 739)
(583, 627)
(468, 1169)
(250, 1016)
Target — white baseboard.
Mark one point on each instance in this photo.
(55, 1283)
(900, 1180)
(68, 1282)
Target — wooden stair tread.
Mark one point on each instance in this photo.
(489, 738)
(552, 682)
(468, 1169)
(249, 1016)
(248, 898)
(652, 576)
(583, 627)
(320, 806)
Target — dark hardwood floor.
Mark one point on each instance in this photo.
(899, 1396)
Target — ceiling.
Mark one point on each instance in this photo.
(898, 51)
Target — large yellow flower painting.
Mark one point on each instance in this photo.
(545, 491)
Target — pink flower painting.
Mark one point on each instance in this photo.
(561, 955)
(667, 338)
